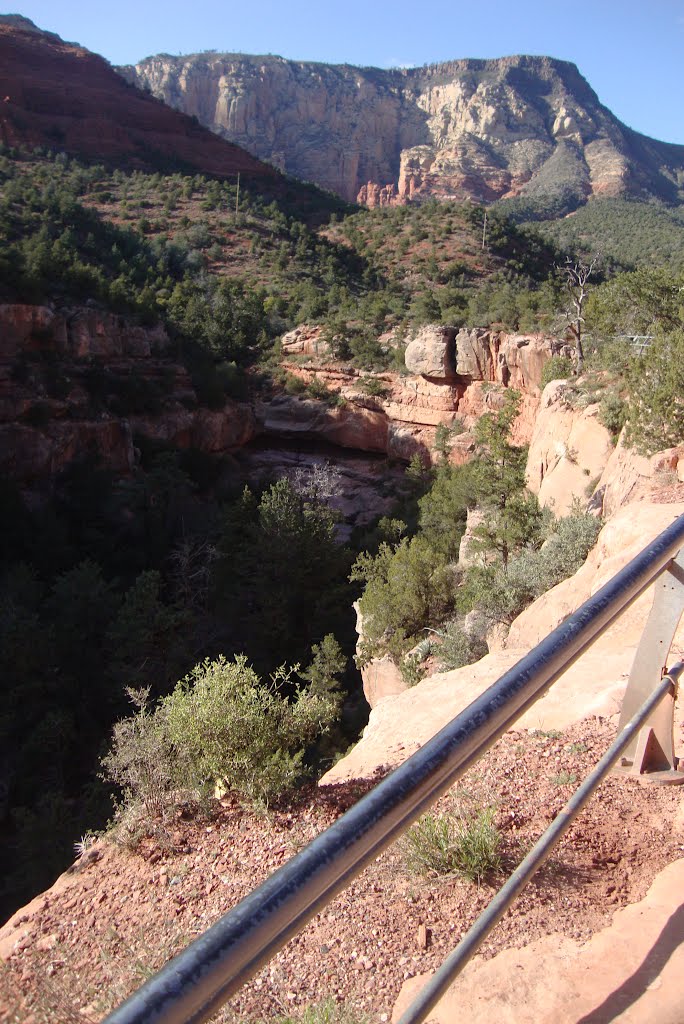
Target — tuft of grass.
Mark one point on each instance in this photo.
(564, 778)
(447, 844)
(577, 748)
(547, 734)
(328, 1011)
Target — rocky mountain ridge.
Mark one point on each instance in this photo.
(515, 126)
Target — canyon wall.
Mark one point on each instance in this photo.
(79, 381)
(465, 129)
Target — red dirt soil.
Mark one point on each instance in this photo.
(79, 949)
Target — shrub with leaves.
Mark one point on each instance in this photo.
(459, 647)
(557, 368)
(656, 383)
(227, 724)
(501, 592)
(221, 723)
(142, 759)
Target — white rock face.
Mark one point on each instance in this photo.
(569, 450)
(480, 129)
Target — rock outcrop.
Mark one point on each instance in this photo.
(57, 366)
(460, 357)
(569, 450)
(478, 129)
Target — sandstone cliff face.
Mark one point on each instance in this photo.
(569, 450)
(50, 361)
(594, 684)
(481, 129)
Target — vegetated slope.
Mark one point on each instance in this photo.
(627, 233)
(525, 127)
(61, 96)
(81, 948)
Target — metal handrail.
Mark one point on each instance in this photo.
(196, 983)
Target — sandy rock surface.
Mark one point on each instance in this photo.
(569, 450)
(400, 724)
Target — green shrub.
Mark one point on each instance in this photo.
(447, 844)
(613, 413)
(142, 760)
(220, 724)
(226, 724)
(557, 368)
(656, 382)
(459, 648)
(408, 586)
(502, 592)
(374, 387)
(329, 1011)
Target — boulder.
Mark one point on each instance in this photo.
(432, 353)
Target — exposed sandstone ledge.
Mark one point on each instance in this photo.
(515, 360)
(629, 476)
(77, 332)
(569, 450)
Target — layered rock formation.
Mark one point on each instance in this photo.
(569, 450)
(56, 366)
(454, 377)
(466, 129)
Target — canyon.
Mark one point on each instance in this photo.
(483, 130)
(81, 385)
(59, 365)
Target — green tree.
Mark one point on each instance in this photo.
(656, 386)
(512, 516)
(279, 556)
(407, 587)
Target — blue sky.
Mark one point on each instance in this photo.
(630, 52)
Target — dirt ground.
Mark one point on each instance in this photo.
(118, 915)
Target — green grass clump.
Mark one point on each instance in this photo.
(328, 1011)
(447, 844)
